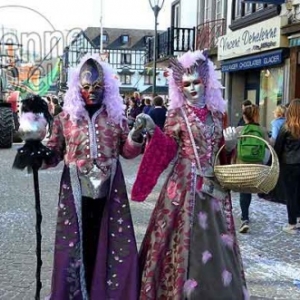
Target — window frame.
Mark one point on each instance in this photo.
(125, 60)
(175, 14)
(123, 37)
(124, 77)
(105, 38)
(148, 79)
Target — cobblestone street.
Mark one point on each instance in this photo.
(271, 257)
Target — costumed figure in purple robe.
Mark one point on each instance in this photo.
(190, 250)
(95, 254)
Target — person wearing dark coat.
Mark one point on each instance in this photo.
(147, 106)
(159, 112)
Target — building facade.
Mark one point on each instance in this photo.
(125, 50)
(254, 58)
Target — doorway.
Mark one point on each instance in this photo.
(252, 93)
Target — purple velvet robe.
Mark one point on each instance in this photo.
(81, 144)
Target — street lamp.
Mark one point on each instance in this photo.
(156, 6)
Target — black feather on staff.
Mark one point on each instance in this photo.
(31, 156)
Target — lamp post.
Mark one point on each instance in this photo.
(156, 6)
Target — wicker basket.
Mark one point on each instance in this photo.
(248, 178)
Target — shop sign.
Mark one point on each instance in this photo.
(256, 38)
(253, 62)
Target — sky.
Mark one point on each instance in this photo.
(36, 15)
(40, 20)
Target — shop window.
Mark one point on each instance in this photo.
(148, 79)
(271, 93)
(125, 79)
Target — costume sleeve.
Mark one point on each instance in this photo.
(159, 152)
(56, 143)
(128, 147)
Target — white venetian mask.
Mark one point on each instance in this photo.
(193, 88)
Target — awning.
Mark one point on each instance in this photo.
(126, 90)
(263, 59)
(160, 90)
(125, 71)
(148, 72)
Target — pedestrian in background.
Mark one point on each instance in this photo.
(245, 103)
(142, 105)
(56, 107)
(276, 124)
(159, 112)
(245, 198)
(137, 97)
(287, 147)
(148, 106)
(250, 117)
(133, 111)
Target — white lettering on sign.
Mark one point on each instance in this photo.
(259, 37)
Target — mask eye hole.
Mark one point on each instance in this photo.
(186, 84)
(86, 87)
(197, 81)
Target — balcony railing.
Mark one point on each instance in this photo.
(209, 32)
(171, 42)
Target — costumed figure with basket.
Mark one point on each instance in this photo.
(190, 250)
(95, 255)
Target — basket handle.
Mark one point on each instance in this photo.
(272, 151)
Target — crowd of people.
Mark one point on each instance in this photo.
(284, 136)
(190, 249)
(156, 108)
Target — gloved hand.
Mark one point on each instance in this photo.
(144, 122)
(33, 127)
(230, 135)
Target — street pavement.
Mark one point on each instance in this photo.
(271, 257)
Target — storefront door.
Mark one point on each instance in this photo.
(252, 93)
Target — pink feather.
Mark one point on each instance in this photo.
(227, 240)
(189, 287)
(226, 277)
(206, 256)
(202, 217)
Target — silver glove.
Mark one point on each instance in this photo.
(32, 127)
(230, 135)
(143, 122)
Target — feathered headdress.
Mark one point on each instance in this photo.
(188, 63)
(74, 104)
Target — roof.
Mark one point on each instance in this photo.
(137, 37)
